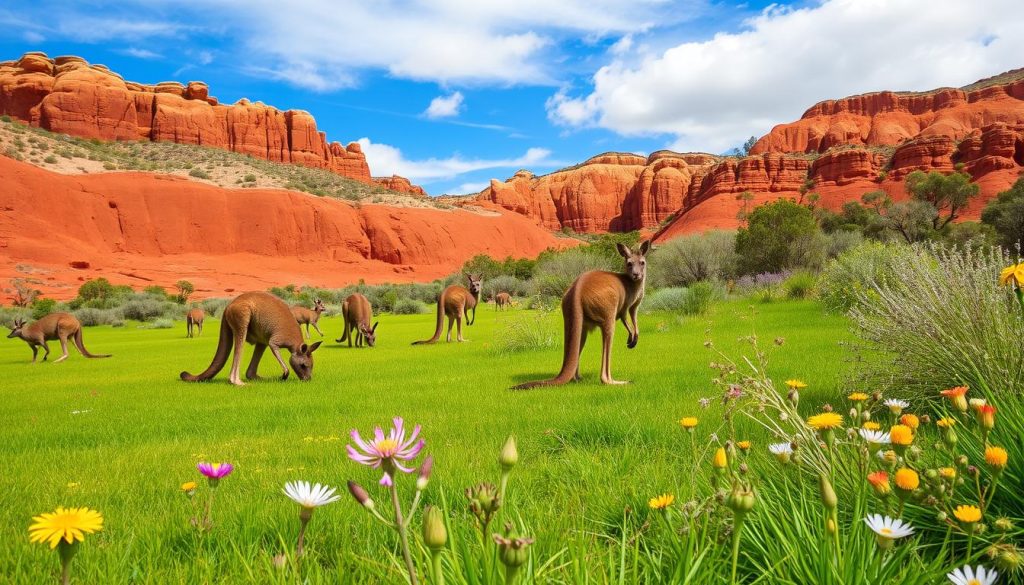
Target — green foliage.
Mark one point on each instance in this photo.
(688, 259)
(199, 173)
(156, 291)
(555, 273)
(847, 278)
(800, 285)
(692, 300)
(42, 307)
(409, 307)
(948, 194)
(1005, 214)
(162, 324)
(489, 268)
(526, 332)
(779, 235)
(185, 290)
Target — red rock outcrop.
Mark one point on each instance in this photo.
(142, 229)
(399, 185)
(70, 96)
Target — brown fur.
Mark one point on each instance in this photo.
(306, 317)
(502, 301)
(264, 321)
(357, 313)
(598, 299)
(60, 326)
(456, 302)
(194, 321)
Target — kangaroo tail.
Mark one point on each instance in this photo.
(440, 322)
(81, 346)
(573, 323)
(219, 359)
(344, 313)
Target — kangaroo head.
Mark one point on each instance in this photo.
(636, 262)
(476, 284)
(318, 306)
(369, 333)
(16, 328)
(302, 361)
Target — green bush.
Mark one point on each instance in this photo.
(780, 235)
(199, 173)
(43, 307)
(800, 285)
(143, 308)
(1005, 213)
(409, 307)
(689, 259)
(505, 283)
(91, 317)
(694, 300)
(846, 278)
(554, 274)
(162, 324)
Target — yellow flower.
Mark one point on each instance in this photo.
(720, 460)
(189, 486)
(825, 420)
(996, 457)
(858, 397)
(69, 524)
(795, 384)
(743, 445)
(1012, 274)
(688, 422)
(946, 422)
(911, 421)
(947, 472)
(901, 435)
(967, 514)
(661, 502)
(871, 425)
(907, 479)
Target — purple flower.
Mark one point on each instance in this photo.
(386, 451)
(215, 470)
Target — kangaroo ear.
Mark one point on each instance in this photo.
(645, 247)
(303, 349)
(374, 328)
(313, 347)
(623, 250)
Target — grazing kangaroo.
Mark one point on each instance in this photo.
(455, 301)
(502, 301)
(597, 299)
(306, 317)
(60, 326)
(194, 321)
(264, 321)
(357, 312)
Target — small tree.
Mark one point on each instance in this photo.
(23, 294)
(98, 290)
(948, 194)
(1005, 213)
(749, 145)
(778, 236)
(745, 198)
(185, 290)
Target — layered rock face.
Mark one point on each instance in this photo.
(841, 149)
(70, 96)
(399, 185)
(142, 229)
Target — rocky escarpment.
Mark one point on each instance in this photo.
(70, 96)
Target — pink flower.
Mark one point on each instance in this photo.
(386, 451)
(215, 470)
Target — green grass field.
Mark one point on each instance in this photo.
(120, 435)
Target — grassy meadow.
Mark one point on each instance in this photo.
(120, 435)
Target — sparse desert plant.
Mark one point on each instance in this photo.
(846, 277)
(554, 275)
(689, 259)
(409, 307)
(144, 308)
(692, 300)
(199, 173)
(523, 332)
(800, 285)
(91, 317)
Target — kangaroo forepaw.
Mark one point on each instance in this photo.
(632, 341)
(284, 376)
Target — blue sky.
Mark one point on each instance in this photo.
(453, 93)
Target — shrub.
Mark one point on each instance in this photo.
(91, 317)
(848, 276)
(800, 285)
(409, 307)
(779, 235)
(556, 273)
(144, 308)
(689, 259)
(526, 332)
(694, 300)
(43, 307)
(50, 160)
(1005, 213)
(700, 297)
(753, 283)
(505, 283)
(199, 173)
(665, 299)
(214, 307)
(9, 314)
(840, 241)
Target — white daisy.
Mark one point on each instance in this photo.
(875, 438)
(887, 527)
(896, 405)
(782, 451)
(308, 496)
(976, 576)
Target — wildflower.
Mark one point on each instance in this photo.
(214, 472)
(688, 422)
(310, 497)
(782, 451)
(740, 501)
(65, 528)
(871, 425)
(911, 421)
(661, 502)
(512, 552)
(1006, 557)
(795, 384)
(896, 406)
(484, 502)
(887, 529)
(360, 495)
(907, 479)
(987, 416)
(423, 477)
(189, 487)
(946, 422)
(1012, 274)
(976, 403)
(956, 396)
(857, 397)
(875, 439)
(996, 458)
(947, 472)
(901, 435)
(720, 460)
(435, 533)
(825, 421)
(976, 576)
(879, 481)
(967, 514)
(509, 454)
(743, 445)
(385, 451)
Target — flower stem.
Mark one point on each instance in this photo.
(67, 552)
(510, 575)
(435, 565)
(403, 535)
(304, 517)
(736, 529)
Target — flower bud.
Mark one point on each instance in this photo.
(740, 500)
(720, 459)
(828, 495)
(961, 461)
(360, 495)
(435, 534)
(509, 455)
(423, 478)
(1003, 524)
(987, 416)
(512, 549)
(941, 517)
(1006, 557)
(483, 501)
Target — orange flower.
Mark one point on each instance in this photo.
(956, 396)
(996, 457)
(901, 435)
(743, 445)
(946, 422)
(907, 479)
(858, 397)
(879, 481)
(688, 422)
(987, 416)
(947, 472)
(720, 460)
(911, 421)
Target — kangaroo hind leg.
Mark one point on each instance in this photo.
(63, 337)
(252, 373)
(607, 333)
(236, 360)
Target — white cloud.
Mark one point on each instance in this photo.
(140, 53)
(93, 29)
(33, 36)
(204, 57)
(470, 188)
(445, 106)
(386, 160)
(711, 95)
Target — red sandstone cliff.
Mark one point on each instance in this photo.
(399, 185)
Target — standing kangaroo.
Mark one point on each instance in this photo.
(502, 301)
(597, 299)
(60, 326)
(194, 321)
(306, 317)
(357, 312)
(456, 301)
(264, 321)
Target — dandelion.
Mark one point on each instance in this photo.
(896, 406)
(871, 425)
(967, 514)
(879, 481)
(907, 479)
(977, 576)
(795, 384)
(825, 421)
(911, 421)
(946, 422)
(385, 451)
(901, 436)
(64, 529)
(875, 439)
(661, 502)
(996, 458)
(956, 396)
(743, 445)
(309, 498)
(189, 487)
(782, 451)
(857, 397)
(688, 423)
(887, 529)
(947, 472)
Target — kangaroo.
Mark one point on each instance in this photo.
(357, 312)
(596, 299)
(194, 321)
(306, 317)
(264, 321)
(60, 326)
(502, 301)
(456, 302)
